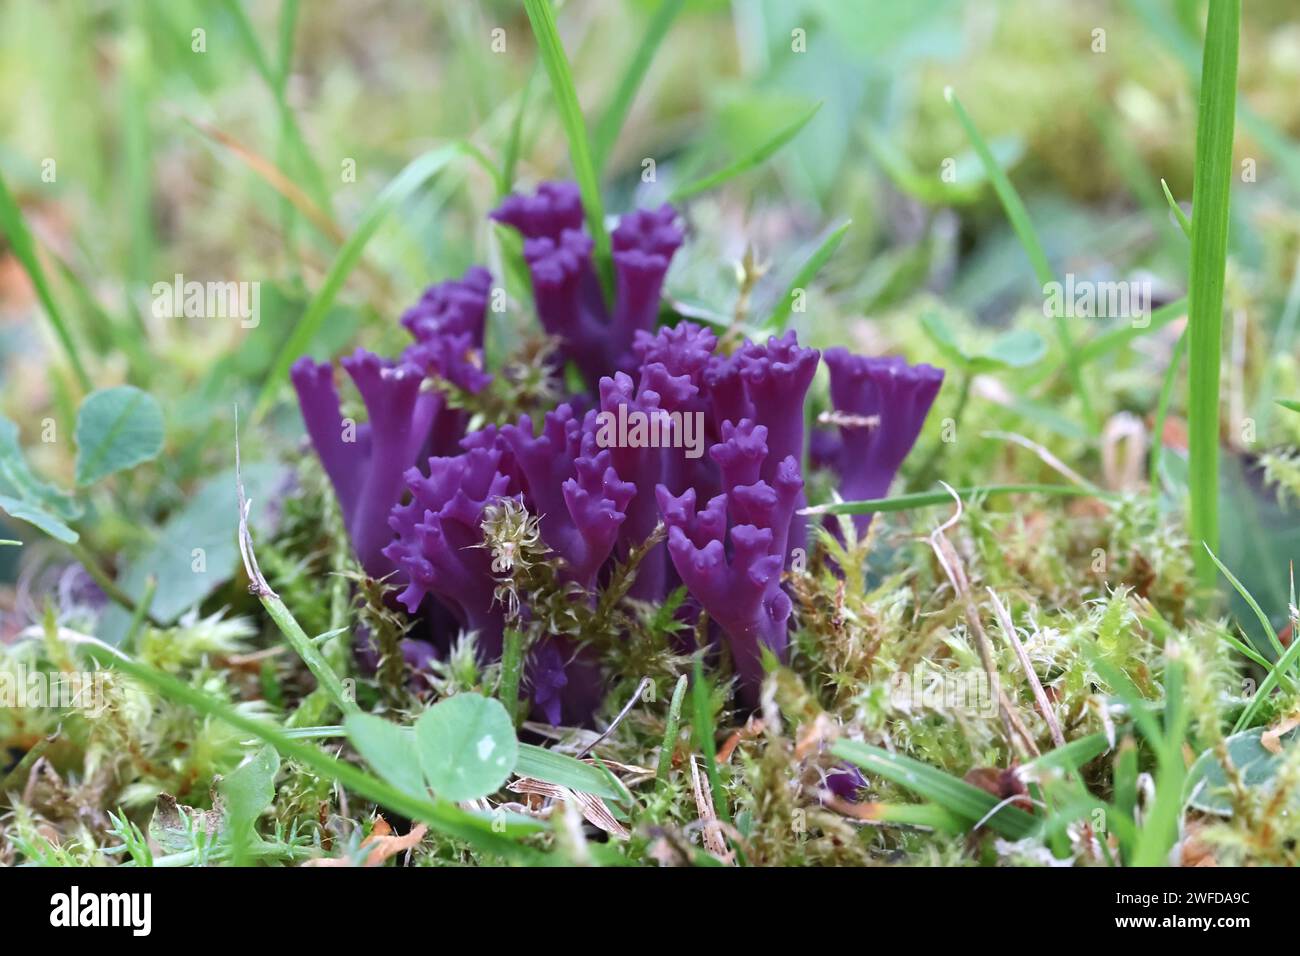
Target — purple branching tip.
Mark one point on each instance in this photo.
(883, 403)
(454, 306)
(739, 586)
(438, 549)
(568, 298)
(776, 377)
(365, 462)
(644, 243)
(553, 209)
(566, 290)
(845, 781)
(573, 487)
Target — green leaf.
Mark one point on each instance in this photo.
(1207, 781)
(957, 796)
(565, 771)
(807, 272)
(250, 788)
(745, 163)
(493, 835)
(1289, 403)
(196, 551)
(117, 428)
(1017, 348)
(389, 750)
(26, 497)
(467, 746)
(39, 518)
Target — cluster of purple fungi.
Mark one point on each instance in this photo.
(414, 484)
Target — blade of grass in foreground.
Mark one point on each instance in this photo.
(439, 815)
(551, 50)
(958, 797)
(1210, 198)
(14, 227)
(1024, 230)
(807, 272)
(926, 499)
(745, 163)
(416, 173)
(611, 121)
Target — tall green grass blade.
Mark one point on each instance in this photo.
(1210, 197)
(926, 499)
(542, 19)
(1028, 236)
(14, 228)
(745, 163)
(807, 272)
(611, 121)
(398, 190)
(958, 797)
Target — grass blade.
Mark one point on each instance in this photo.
(671, 728)
(553, 767)
(551, 50)
(400, 188)
(807, 272)
(956, 796)
(1028, 236)
(1210, 196)
(926, 499)
(1249, 598)
(611, 121)
(745, 163)
(442, 816)
(1109, 341)
(289, 128)
(14, 227)
(1177, 210)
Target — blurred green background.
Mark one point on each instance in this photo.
(188, 136)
